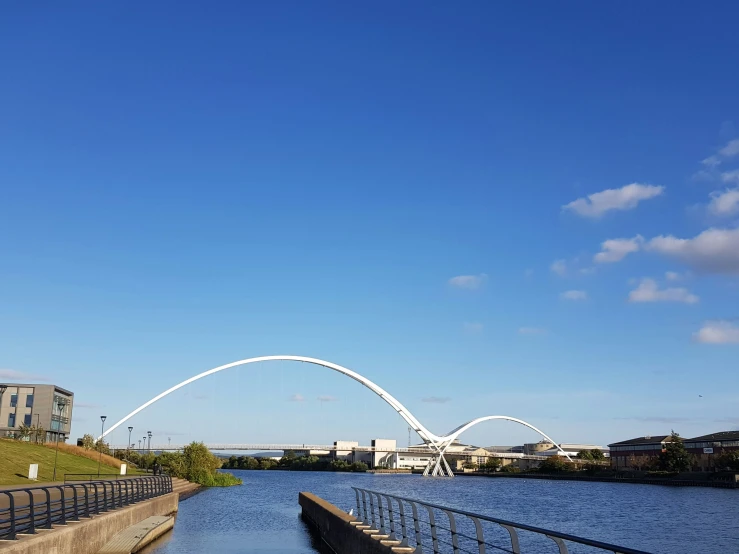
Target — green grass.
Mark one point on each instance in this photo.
(16, 456)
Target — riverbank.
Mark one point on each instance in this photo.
(665, 481)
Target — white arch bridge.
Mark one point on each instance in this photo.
(437, 444)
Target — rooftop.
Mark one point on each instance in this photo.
(720, 436)
(649, 439)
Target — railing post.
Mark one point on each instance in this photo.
(31, 515)
(453, 531)
(416, 525)
(63, 504)
(392, 519)
(365, 517)
(11, 511)
(560, 543)
(87, 499)
(403, 526)
(372, 509)
(105, 496)
(96, 502)
(432, 524)
(480, 535)
(48, 509)
(75, 506)
(515, 546)
(382, 515)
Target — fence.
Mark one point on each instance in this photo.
(420, 525)
(23, 511)
(90, 477)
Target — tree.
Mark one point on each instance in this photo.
(358, 466)
(492, 465)
(585, 455)
(102, 446)
(555, 464)
(267, 463)
(24, 432)
(675, 457)
(469, 464)
(88, 442)
(728, 460)
(510, 468)
(38, 433)
(597, 454)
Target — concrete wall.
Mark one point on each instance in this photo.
(334, 527)
(87, 536)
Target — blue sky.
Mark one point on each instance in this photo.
(419, 192)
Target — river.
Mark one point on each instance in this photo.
(262, 515)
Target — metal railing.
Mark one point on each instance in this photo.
(23, 511)
(430, 528)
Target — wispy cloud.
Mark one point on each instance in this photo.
(436, 399)
(615, 250)
(13, 375)
(718, 332)
(625, 198)
(327, 398)
(532, 331)
(470, 282)
(86, 405)
(473, 327)
(730, 150)
(574, 295)
(649, 291)
(559, 267)
(297, 397)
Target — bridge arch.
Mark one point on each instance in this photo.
(435, 442)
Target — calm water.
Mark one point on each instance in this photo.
(263, 514)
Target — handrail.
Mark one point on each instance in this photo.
(381, 503)
(24, 510)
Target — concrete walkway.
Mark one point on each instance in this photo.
(138, 536)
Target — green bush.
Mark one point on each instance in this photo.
(510, 468)
(195, 463)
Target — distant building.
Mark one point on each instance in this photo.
(49, 406)
(546, 448)
(706, 447)
(344, 450)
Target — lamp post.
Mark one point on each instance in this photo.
(60, 405)
(139, 446)
(3, 388)
(102, 432)
(149, 435)
(169, 441)
(129, 436)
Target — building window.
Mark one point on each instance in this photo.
(11, 420)
(27, 419)
(29, 401)
(13, 400)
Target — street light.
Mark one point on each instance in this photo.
(3, 388)
(169, 441)
(149, 435)
(139, 446)
(129, 436)
(102, 432)
(60, 405)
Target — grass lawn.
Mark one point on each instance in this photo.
(16, 456)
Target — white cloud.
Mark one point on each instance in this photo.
(711, 161)
(468, 281)
(473, 327)
(436, 399)
(327, 398)
(649, 291)
(625, 198)
(574, 295)
(718, 332)
(724, 203)
(297, 397)
(13, 375)
(731, 149)
(730, 176)
(615, 250)
(532, 331)
(588, 271)
(559, 267)
(675, 276)
(712, 251)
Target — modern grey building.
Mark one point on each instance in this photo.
(46, 405)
